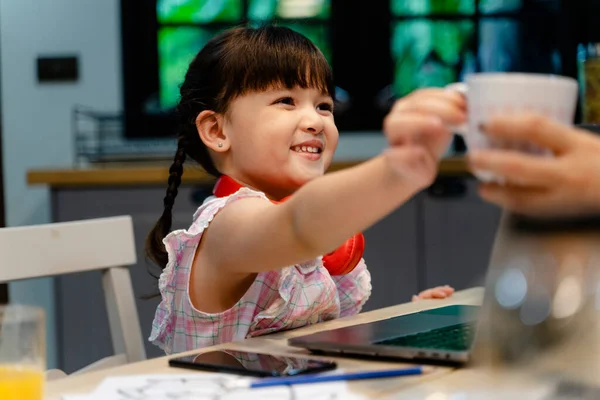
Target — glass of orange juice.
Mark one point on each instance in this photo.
(22, 352)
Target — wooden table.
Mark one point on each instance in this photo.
(277, 344)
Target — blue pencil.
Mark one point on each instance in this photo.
(313, 378)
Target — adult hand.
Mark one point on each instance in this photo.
(566, 184)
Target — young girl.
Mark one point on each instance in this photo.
(256, 110)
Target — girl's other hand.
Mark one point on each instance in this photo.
(439, 292)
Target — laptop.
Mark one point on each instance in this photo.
(448, 333)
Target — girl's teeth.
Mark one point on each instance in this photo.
(307, 149)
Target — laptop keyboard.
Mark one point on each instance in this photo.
(453, 338)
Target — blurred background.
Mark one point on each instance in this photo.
(88, 86)
(379, 50)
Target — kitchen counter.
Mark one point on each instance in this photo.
(120, 174)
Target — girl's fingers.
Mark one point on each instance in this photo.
(451, 96)
(439, 294)
(408, 127)
(448, 112)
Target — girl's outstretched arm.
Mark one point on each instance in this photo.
(256, 236)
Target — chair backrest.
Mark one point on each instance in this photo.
(65, 247)
(105, 244)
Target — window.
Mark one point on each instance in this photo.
(436, 42)
(431, 53)
(413, 8)
(198, 11)
(380, 50)
(186, 25)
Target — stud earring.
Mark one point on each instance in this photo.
(219, 144)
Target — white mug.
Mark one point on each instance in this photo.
(489, 94)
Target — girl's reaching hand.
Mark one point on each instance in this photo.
(424, 118)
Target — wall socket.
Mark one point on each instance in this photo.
(57, 69)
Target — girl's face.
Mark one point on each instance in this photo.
(279, 139)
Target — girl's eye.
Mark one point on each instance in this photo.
(325, 107)
(285, 100)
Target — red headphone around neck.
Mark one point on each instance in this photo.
(339, 262)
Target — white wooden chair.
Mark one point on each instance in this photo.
(105, 244)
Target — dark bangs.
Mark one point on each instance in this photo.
(263, 58)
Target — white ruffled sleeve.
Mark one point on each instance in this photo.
(354, 289)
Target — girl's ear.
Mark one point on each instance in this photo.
(210, 128)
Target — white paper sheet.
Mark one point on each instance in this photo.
(208, 387)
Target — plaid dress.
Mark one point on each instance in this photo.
(287, 298)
